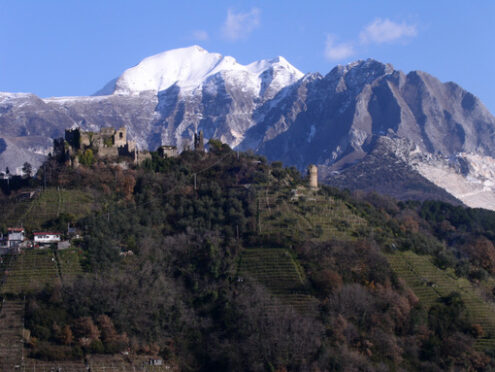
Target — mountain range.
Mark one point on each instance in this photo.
(363, 124)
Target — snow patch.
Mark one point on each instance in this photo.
(6, 96)
(62, 100)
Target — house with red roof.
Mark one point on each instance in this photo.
(15, 236)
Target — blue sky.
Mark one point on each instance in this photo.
(69, 47)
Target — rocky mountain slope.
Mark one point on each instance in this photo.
(435, 130)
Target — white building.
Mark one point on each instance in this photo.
(15, 236)
(46, 237)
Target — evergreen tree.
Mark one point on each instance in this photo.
(27, 169)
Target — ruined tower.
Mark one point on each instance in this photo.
(313, 176)
(120, 137)
(198, 142)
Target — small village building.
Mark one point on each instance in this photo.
(156, 362)
(42, 238)
(15, 236)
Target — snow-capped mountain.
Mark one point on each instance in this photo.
(196, 88)
(191, 68)
(163, 99)
(357, 116)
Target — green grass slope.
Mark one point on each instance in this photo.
(48, 205)
(69, 262)
(30, 271)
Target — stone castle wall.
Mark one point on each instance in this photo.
(142, 156)
(108, 152)
(85, 140)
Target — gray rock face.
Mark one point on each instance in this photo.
(343, 112)
(387, 169)
(334, 121)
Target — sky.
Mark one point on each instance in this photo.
(74, 47)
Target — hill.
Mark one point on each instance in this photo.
(222, 261)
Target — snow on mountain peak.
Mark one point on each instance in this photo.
(189, 67)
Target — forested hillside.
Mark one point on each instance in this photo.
(220, 261)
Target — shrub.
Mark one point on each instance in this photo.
(46, 351)
(87, 158)
(96, 347)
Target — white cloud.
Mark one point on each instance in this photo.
(386, 31)
(200, 35)
(240, 25)
(337, 51)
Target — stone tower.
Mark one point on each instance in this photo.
(313, 176)
(120, 137)
(199, 142)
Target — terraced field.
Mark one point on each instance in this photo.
(429, 283)
(52, 202)
(5, 262)
(95, 363)
(47, 205)
(35, 365)
(333, 218)
(319, 217)
(33, 269)
(303, 214)
(281, 274)
(11, 326)
(422, 287)
(30, 271)
(14, 211)
(69, 263)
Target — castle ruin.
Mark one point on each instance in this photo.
(167, 151)
(199, 142)
(108, 143)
